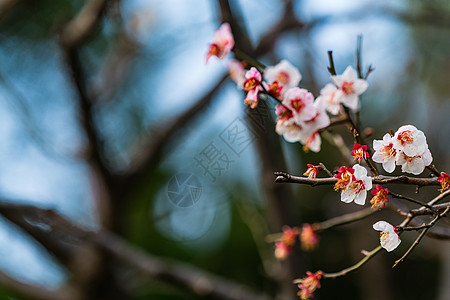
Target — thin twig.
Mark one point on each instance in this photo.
(344, 219)
(422, 234)
(331, 68)
(356, 266)
(240, 55)
(358, 56)
(427, 211)
(433, 170)
(440, 197)
(398, 196)
(326, 170)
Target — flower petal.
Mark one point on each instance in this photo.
(361, 197)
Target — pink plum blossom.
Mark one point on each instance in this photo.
(359, 152)
(356, 187)
(282, 250)
(223, 42)
(380, 197)
(389, 238)
(311, 137)
(300, 118)
(312, 171)
(283, 75)
(283, 245)
(286, 126)
(252, 87)
(444, 180)
(385, 153)
(309, 238)
(410, 140)
(308, 285)
(300, 101)
(350, 86)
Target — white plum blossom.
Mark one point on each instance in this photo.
(300, 102)
(414, 164)
(410, 140)
(407, 148)
(330, 95)
(389, 238)
(355, 189)
(313, 142)
(351, 87)
(385, 153)
(284, 73)
(237, 72)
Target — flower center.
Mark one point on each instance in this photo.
(389, 150)
(347, 88)
(283, 113)
(283, 78)
(405, 137)
(250, 84)
(384, 236)
(379, 200)
(297, 105)
(344, 179)
(275, 89)
(214, 50)
(357, 186)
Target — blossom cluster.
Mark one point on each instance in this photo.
(284, 244)
(308, 285)
(407, 148)
(301, 117)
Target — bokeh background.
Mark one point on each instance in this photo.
(145, 67)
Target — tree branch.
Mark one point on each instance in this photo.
(419, 238)
(380, 179)
(149, 154)
(356, 266)
(83, 25)
(189, 278)
(344, 219)
(74, 34)
(29, 291)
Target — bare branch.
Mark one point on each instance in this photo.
(344, 219)
(398, 196)
(83, 25)
(34, 292)
(6, 6)
(422, 234)
(149, 154)
(197, 282)
(356, 266)
(288, 21)
(380, 179)
(439, 198)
